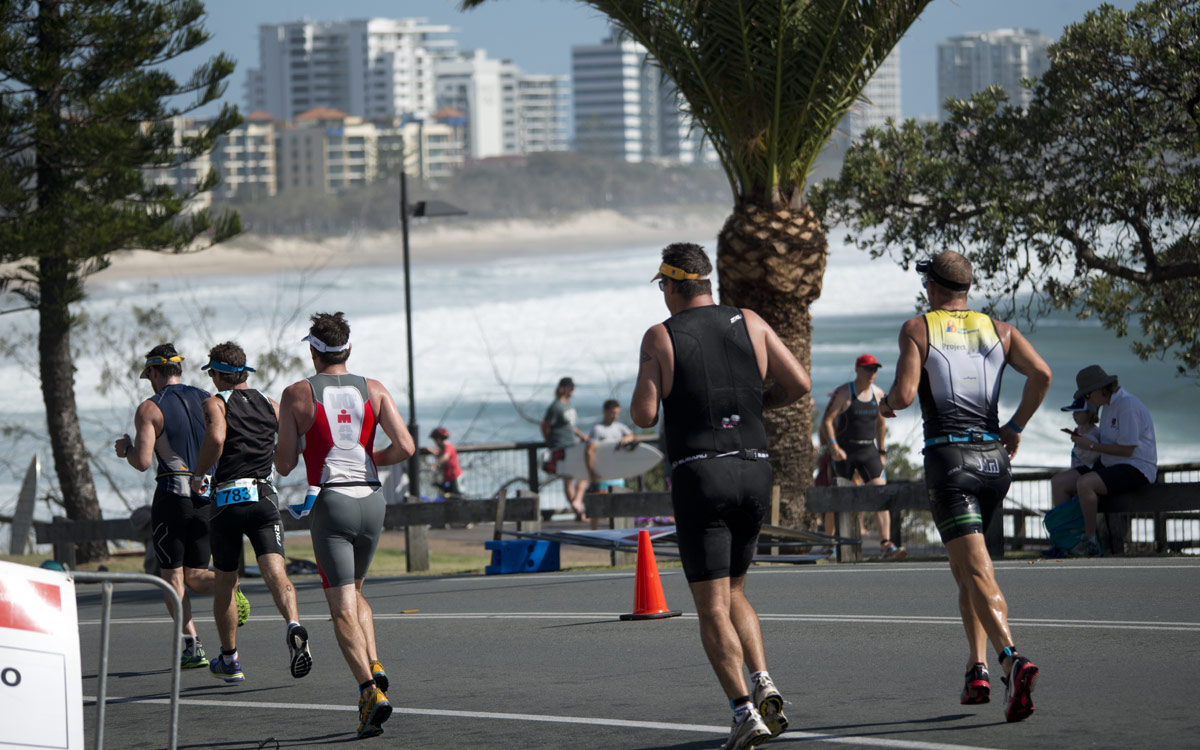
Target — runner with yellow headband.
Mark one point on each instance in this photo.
(168, 427)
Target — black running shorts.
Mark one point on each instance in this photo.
(258, 521)
(1117, 479)
(179, 530)
(345, 532)
(719, 504)
(967, 483)
(861, 458)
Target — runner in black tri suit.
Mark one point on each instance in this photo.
(334, 414)
(854, 431)
(168, 428)
(953, 359)
(707, 364)
(240, 426)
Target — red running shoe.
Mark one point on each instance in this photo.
(978, 689)
(1018, 700)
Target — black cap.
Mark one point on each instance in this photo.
(566, 383)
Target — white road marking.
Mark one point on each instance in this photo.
(856, 741)
(831, 618)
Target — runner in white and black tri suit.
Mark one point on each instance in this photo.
(707, 364)
(953, 359)
(334, 414)
(168, 428)
(240, 426)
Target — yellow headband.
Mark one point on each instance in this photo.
(158, 361)
(678, 274)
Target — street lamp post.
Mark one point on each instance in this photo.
(427, 209)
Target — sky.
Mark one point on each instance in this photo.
(538, 34)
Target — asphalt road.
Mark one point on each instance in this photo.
(867, 655)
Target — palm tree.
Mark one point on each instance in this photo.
(768, 81)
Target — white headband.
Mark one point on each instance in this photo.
(321, 346)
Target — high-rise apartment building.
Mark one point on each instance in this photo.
(371, 68)
(974, 61)
(542, 114)
(507, 111)
(625, 108)
(880, 100)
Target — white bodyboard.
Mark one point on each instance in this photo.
(613, 460)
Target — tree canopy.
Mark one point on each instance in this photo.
(85, 107)
(1089, 199)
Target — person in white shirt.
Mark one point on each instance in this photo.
(1128, 453)
(608, 431)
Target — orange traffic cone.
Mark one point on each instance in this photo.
(648, 600)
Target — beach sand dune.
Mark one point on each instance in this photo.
(455, 241)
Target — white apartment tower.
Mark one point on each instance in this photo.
(616, 99)
(507, 111)
(880, 100)
(370, 68)
(543, 113)
(974, 61)
(625, 108)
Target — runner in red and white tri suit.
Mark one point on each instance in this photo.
(333, 415)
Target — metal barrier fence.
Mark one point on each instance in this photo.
(107, 580)
(1029, 498)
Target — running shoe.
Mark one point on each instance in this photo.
(1087, 547)
(379, 675)
(243, 606)
(373, 710)
(749, 732)
(297, 641)
(193, 658)
(888, 549)
(770, 705)
(1018, 700)
(230, 672)
(977, 689)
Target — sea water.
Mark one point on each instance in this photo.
(492, 337)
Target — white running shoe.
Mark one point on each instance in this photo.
(749, 732)
(769, 703)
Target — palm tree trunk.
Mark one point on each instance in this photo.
(772, 260)
(58, 392)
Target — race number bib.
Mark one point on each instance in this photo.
(237, 491)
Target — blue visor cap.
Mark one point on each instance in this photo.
(1079, 404)
(222, 367)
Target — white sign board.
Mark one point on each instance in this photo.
(41, 685)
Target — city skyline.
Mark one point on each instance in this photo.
(538, 34)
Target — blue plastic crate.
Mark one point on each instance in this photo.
(522, 556)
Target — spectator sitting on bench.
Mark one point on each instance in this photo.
(1128, 454)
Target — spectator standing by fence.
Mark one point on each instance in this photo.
(559, 432)
(953, 358)
(447, 464)
(1128, 452)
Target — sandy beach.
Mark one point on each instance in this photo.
(429, 241)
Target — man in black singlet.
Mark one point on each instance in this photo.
(854, 431)
(239, 438)
(168, 427)
(707, 364)
(953, 358)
